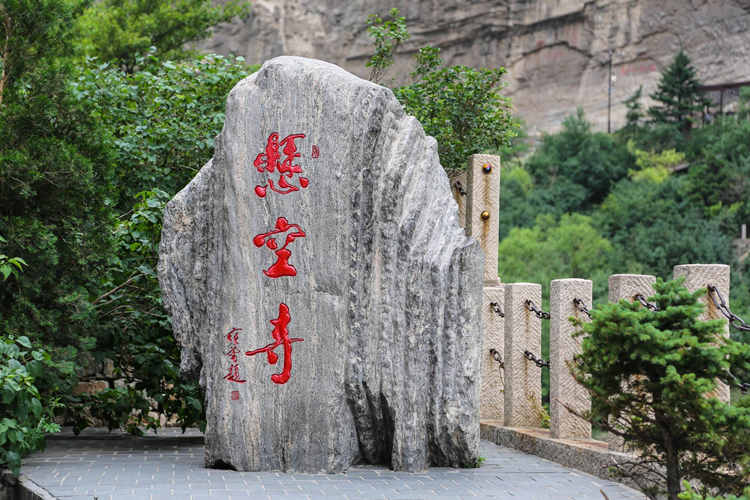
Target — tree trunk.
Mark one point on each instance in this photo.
(673, 469)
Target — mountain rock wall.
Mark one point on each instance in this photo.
(556, 51)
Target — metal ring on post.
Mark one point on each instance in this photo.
(496, 356)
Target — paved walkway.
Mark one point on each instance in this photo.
(105, 466)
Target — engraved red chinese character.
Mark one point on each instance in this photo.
(280, 336)
(281, 267)
(268, 161)
(234, 368)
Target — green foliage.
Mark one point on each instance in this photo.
(10, 266)
(719, 174)
(588, 161)
(25, 27)
(25, 414)
(743, 112)
(118, 31)
(654, 167)
(571, 247)
(690, 494)
(668, 360)
(78, 147)
(655, 226)
(677, 95)
(634, 113)
(387, 35)
(460, 106)
(160, 123)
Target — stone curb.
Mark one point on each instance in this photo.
(29, 490)
(590, 456)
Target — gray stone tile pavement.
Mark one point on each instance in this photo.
(100, 466)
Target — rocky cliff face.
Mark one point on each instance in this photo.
(556, 51)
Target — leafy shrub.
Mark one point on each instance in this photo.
(25, 413)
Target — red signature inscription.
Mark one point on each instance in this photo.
(234, 367)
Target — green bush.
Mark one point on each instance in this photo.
(668, 361)
(25, 413)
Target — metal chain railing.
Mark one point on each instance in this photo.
(496, 309)
(538, 312)
(722, 306)
(497, 357)
(581, 306)
(541, 363)
(460, 188)
(743, 386)
(645, 303)
(734, 321)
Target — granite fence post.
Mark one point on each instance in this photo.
(627, 286)
(523, 380)
(483, 208)
(699, 276)
(491, 403)
(565, 392)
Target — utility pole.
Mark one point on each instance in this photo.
(609, 96)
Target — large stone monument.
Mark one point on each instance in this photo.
(319, 283)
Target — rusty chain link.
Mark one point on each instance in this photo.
(496, 308)
(722, 306)
(645, 303)
(497, 357)
(734, 321)
(541, 363)
(460, 188)
(581, 306)
(539, 313)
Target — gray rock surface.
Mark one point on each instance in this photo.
(556, 51)
(386, 296)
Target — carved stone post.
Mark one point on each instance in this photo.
(565, 392)
(699, 276)
(491, 402)
(523, 379)
(627, 286)
(482, 209)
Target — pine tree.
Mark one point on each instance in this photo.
(635, 110)
(649, 373)
(678, 95)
